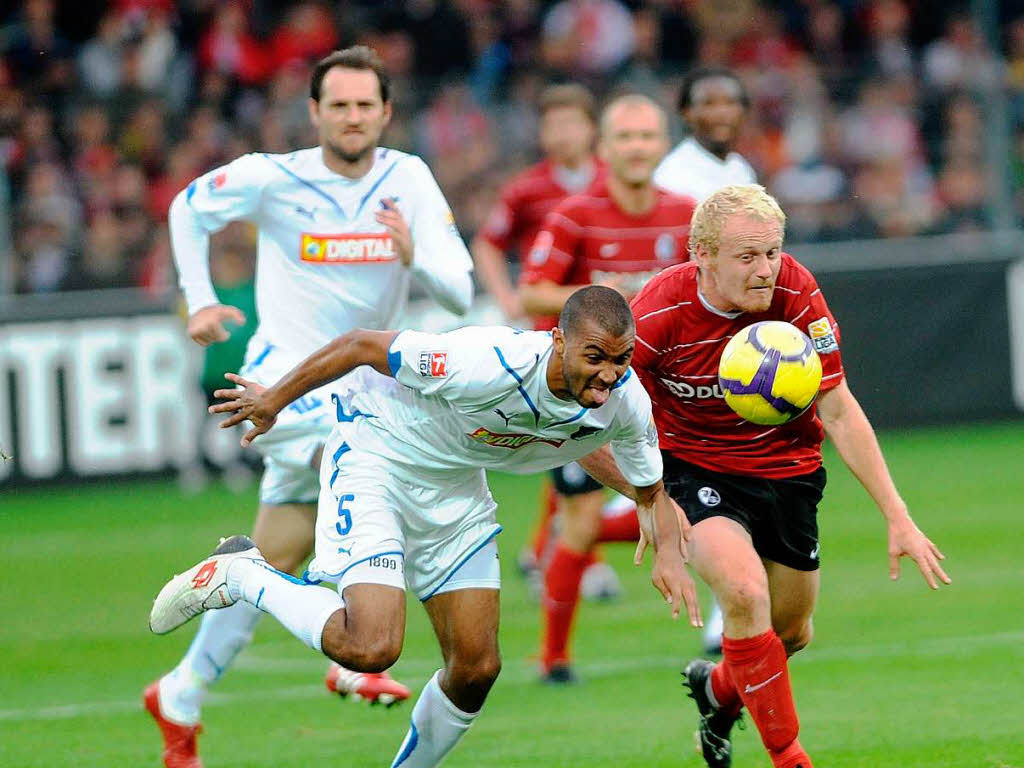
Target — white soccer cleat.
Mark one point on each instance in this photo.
(201, 588)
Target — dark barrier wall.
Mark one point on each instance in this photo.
(925, 344)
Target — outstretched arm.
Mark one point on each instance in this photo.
(662, 526)
(851, 433)
(332, 361)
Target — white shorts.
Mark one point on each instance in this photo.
(378, 524)
(289, 475)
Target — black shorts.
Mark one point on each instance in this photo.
(781, 516)
(572, 480)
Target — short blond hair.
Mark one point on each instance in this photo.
(749, 199)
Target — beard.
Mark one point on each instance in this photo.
(346, 155)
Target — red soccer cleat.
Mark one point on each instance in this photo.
(179, 740)
(374, 687)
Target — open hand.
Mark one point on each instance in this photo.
(907, 540)
(247, 401)
(671, 577)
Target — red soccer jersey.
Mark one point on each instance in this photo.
(680, 340)
(588, 239)
(523, 204)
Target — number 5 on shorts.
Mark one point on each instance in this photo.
(344, 524)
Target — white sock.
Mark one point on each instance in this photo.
(302, 608)
(436, 726)
(221, 636)
(714, 626)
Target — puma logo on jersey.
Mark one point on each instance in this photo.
(583, 432)
(309, 213)
(506, 418)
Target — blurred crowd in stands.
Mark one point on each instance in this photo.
(867, 116)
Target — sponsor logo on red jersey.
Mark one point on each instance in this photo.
(354, 248)
(434, 364)
(511, 441)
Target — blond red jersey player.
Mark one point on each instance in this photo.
(751, 492)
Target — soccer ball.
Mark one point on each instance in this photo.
(769, 372)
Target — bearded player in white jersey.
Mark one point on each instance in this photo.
(404, 499)
(343, 227)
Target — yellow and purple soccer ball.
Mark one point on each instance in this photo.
(769, 372)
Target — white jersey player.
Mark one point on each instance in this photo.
(344, 228)
(713, 104)
(325, 265)
(404, 500)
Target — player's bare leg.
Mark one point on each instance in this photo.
(582, 521)
(366, 634)
(753, 668)
(794, 595)
(466, 624)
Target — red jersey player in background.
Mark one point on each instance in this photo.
(751, 492)
(619, 233)
(566, 132)
(568, 117)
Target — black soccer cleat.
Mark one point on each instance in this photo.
(712, 736)
(559, 674)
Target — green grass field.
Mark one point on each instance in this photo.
(897, 676)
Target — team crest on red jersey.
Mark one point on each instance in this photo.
(434, 364)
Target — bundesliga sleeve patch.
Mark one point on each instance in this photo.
(216, 182)
(434, 364)
(823, 336)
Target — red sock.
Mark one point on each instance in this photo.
(760, 674)
(726, 695)
(561, 596)
(622, 526)
(542, 535)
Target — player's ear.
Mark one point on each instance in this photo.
(702, 255)
(387, 113)
(558, 339)
(314, 112)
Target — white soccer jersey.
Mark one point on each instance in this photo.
(324, 264)
(691, 170)
(478, 397)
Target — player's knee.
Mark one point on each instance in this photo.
(796, 637)
(374, 656)
(744, 598)
(476, 673)
(361, 652)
